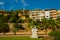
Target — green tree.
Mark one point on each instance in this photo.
(54, 24)
(4, 28)
(55, 34)
(45, 24)
(13, 17)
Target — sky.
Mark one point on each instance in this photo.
(29, 4)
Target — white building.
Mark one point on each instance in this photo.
(36, 14)
(47, 14)
(41, 14)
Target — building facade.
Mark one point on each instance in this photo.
(53, 14)
(36, 14)
(58, 14)
(40, 14)
(47, 14)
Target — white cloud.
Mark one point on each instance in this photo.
(23, 1)
(1, 3)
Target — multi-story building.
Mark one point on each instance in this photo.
(47, 14)
(36, 14)
(58, 14)
(53, 14)
(40, 14)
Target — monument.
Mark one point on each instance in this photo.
(34, 32)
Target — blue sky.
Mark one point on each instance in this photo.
(29, 4)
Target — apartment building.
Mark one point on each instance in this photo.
(40, 14)
(36, 14)
(47, 14)
(53, 14)
(58, 14)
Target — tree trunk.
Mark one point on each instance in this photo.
(4, 33)
(14, 33)
(45, 31)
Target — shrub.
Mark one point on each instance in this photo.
(4, 28)
(55, 34)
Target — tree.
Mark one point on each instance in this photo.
(17, 27)
(55, 34)
(4, 28)
(54, 24)
(13, 17)
(50, 23)
(45, 24)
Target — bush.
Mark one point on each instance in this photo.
(4, 28)
(55, 34)
(18, 26)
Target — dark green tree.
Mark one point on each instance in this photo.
(4, 28)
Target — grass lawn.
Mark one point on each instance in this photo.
(19, 38)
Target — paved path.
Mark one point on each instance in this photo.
(20, 35)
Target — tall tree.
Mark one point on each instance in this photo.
(4, 28)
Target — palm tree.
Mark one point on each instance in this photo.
(34, 23)
(49, 23)
(53, 24)
(57, 23)
(45, 24)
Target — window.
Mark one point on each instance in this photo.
(37, 13)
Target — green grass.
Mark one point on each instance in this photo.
(19, 38)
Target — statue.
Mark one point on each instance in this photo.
(34, 32)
